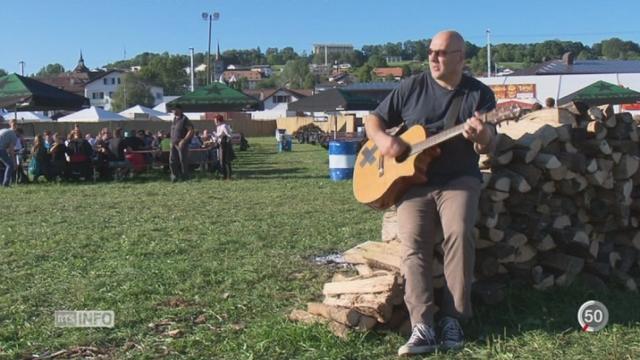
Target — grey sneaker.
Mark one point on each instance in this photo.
(422, 340)
(451, 335)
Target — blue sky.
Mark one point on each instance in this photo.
(40, 32)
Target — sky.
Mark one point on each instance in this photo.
(41, 32)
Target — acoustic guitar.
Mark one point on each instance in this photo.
(380, 181)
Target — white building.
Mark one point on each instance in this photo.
(276, 102)
(100, 90)
(331, 49)
(238, 67)
(197, 69)
(265, 70)
(558, 78)
(393, 59)
(162, 107)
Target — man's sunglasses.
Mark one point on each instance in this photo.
(442, 53)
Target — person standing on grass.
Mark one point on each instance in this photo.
(8, 140)
(20, 176)
(225, 147)
(181, 134)
(449, 200)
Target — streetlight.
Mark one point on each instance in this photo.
(211, 17)
(191, 70)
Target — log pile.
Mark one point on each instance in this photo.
(371, 299)
(560, 200)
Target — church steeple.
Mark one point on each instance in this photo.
(81, 67)
(218, 65)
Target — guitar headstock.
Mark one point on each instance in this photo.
(503, 114)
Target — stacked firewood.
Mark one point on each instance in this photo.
(372, 298)
(561, 202)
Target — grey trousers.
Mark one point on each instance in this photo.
(424, 213)
(179, 161)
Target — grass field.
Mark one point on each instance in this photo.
(224, 262)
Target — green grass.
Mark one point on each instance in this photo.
(239, 253)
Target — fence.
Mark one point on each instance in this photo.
(250, 128)
(345, 123)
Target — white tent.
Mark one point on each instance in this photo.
(92, 114)
(140, 112)
(162, 107)
(24, 116)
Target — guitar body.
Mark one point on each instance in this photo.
(380, 182)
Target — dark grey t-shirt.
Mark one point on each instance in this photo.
(179, 128)
(421, 100)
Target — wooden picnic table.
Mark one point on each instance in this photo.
(200, 157)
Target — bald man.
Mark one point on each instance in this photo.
(438, 99)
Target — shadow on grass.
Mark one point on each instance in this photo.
(288, 173)
(553, 311)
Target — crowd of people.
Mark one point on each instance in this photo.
(114, 155)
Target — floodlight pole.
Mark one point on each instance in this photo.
(209, 54)
(211, 17)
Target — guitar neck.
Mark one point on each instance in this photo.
(436, 139)
(492, 117)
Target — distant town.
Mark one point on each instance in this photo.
(280, 76)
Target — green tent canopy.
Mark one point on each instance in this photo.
(334, 100)
(216, 97)
(26, 94)
(601, 93)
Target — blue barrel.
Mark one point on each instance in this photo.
(342, 157)
(285, 143)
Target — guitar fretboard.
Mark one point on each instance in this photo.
(491, 117)
(437, 139)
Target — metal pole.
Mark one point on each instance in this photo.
(488, 53)
(192, 73)
(124, 87)
(124, 84)
(209, 53)
(326, 59)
